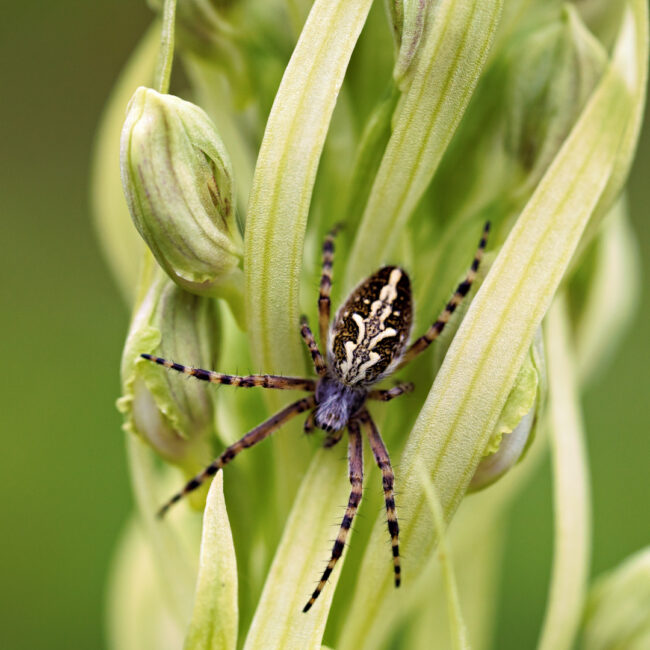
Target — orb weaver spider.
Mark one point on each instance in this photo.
(366, 343)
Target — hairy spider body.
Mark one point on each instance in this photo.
(367, 342)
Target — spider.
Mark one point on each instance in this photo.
(366, 343)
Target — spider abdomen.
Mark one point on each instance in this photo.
(371, 329)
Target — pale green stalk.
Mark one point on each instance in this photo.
(166, 57)
(451, 53)
(456, 622)
(571, 493)
(471, 388)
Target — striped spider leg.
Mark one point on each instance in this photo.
(367, 342)
(355, 464)
(421, 344)
(259, 433)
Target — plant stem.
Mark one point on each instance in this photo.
(166, 54)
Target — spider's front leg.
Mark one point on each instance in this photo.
(421, 344)
(355, 461)
(326, 286)
(251, 438)
(244, 381)
(319, 363)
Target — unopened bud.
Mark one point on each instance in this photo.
(173, 414)
(618, 609)
(178, 183)
(523, 109)
(550, 73)
(408, 20)
(515, 428)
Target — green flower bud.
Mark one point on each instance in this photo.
(515, 429)
(550, 74)
(521, 113)
(178, 183)
(408, 18)
(172, 414)
(618, 609)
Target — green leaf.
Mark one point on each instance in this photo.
(280, 199)
(215, 615)
(451, 53)
(279, 621)
(630, 58)
(463, 406)
(611, 295)
(570, 489)
(284, 179)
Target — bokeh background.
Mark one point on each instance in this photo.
(62, 466)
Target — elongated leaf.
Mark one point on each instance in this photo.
(284, 178)
(471, 388)
(280, 199)
(570, 489)
(612, 295)
(451, 53)
(305, 546)
(215, 615)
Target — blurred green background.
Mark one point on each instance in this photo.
(62, 466)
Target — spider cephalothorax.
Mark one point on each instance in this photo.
(367, 342)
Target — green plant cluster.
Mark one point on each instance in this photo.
(412, 123)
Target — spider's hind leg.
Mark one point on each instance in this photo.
(254, 436)
(388, 479)
(355, 460)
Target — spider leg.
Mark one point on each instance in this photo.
(251, 438)
(310, 423)
(355, 462)
(332, 438)
(245, 381)
(387, 395)
(388, 478)
(316, 356)
(326, 285)
(435, 330)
